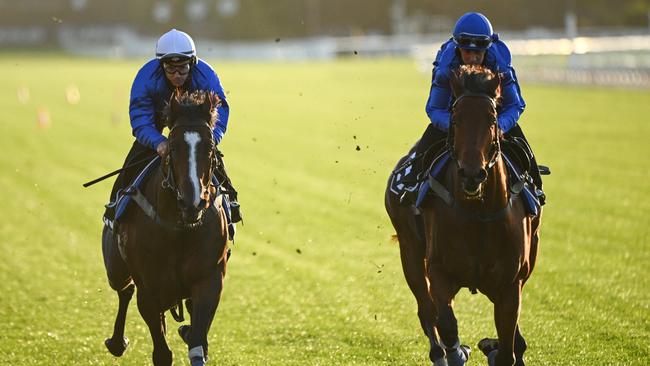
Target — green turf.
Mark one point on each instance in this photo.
(314, 278)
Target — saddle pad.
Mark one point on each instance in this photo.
(397, 186)
(530, 200)
(439, 164)
(123, 198)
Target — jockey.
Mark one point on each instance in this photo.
(473, 43)
(175, 67)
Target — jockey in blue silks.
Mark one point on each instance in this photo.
(473, 43)
(175, 67)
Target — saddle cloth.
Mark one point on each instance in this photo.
(397, 186)
(124, 197)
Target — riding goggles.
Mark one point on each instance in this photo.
(181, 69)
(473, 41)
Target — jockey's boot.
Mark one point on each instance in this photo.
(537, 180)
(235, 210)
(222, 175)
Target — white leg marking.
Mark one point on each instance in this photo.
(192, 139)
(196, 352)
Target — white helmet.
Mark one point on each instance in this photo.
(176, 46)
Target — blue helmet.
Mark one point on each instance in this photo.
(473, 31)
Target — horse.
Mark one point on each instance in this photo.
(174, 246)
(477, 235)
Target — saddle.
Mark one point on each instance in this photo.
(124, 195)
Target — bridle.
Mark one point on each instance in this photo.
(168, 181)
(495, 148)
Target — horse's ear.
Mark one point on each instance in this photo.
(173, 107)
(456, 83)
(495, 84)
(214, 99)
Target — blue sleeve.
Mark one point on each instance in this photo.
(223, 110)
(512, 103)
(438, 104)
(142, 111)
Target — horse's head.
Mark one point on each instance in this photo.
(191, 160)
(474, 133)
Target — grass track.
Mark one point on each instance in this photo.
(291, 150)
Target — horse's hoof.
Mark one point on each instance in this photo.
(487, 345)
(184, 332)
(442, 361)
(162, 358)
(492, 357)
(458, 356)
(116, 348)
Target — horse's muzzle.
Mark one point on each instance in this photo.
(191, 217)
(471, 181)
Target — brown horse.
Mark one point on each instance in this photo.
(174, 246)
(478, 236)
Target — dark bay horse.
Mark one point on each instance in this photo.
(480, 237)
(177, 247)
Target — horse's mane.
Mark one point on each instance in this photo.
(191, 103)
(476, 79)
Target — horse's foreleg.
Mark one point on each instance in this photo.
(162, 355)
(118, 342)
(205, 299)
(412, 257)
(506, 316)
(443, 292)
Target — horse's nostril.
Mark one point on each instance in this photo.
(482, 175)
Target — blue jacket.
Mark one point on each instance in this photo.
(151, 90)
(497, 59)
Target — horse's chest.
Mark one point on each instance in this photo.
(472, 253)
(156, 269)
